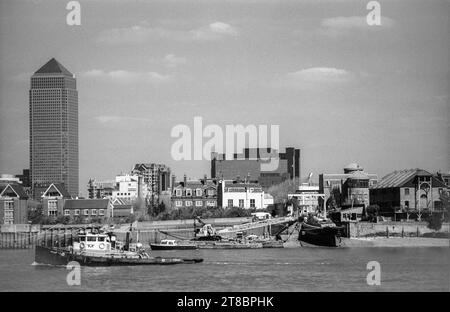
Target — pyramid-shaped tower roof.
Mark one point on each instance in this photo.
(53, 67)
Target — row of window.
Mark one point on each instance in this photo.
(241, 203)
(198, 203)
(8, 212)
(198, 192)
(86, 212)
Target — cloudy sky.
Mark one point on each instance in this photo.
(339, 89)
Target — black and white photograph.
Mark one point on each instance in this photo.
(213, 147)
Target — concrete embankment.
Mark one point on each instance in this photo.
(396, 242)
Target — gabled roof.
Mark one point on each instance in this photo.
(121, 201)
(13, 190)
(402, 177)
(53, 67)
(58, 187)
(86, 204)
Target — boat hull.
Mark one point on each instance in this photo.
(178, 247)
(226, 245)
(51, 256)
(325, 236)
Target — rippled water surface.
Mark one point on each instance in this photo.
(288, 269)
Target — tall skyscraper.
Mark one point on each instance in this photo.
(54, 127)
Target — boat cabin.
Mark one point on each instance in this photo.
(94, 242)
(168, 242)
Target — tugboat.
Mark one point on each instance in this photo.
(320, 232)
(102, 249)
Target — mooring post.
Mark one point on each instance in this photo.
(65, 244)
(29, 234)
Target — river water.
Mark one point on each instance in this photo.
(287, 269)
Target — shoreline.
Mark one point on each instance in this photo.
(395, 242)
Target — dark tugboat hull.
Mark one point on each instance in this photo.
(326, 236)
(51, 256)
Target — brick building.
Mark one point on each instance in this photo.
(13, 204)
(248, 166)
(410, 190)
(194, 193)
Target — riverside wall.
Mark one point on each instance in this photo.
(394, 229)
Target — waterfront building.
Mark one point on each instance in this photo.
(307, 198)
(155, 179)
(122, 208)
(242, 194)
(13, 204)
(53, 116)
(53, 199)
(409, 191)
(194, 193)
(247, 165)
(88, 208)
(129, 187)
(100, 189)
(346, 190)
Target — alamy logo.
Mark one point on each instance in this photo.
(74, 16)
(190, 146)
(74, 276)
(374, 16)
(374, 276)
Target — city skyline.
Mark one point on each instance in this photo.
(341, 91)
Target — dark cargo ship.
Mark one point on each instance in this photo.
(320, 233)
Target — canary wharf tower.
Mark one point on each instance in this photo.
(54, 127)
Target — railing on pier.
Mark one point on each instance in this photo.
(51, 237)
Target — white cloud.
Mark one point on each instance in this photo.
(347, 22)
(341, 25)
(144, 32)
(171, 60)
(319, 74)
(314, 78)
(213, 31)
(124, 76)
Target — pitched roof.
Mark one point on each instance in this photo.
(14, 189)
(60, 188)
(400, 178)
(121, 201)
(86, 204)
(53, 67)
